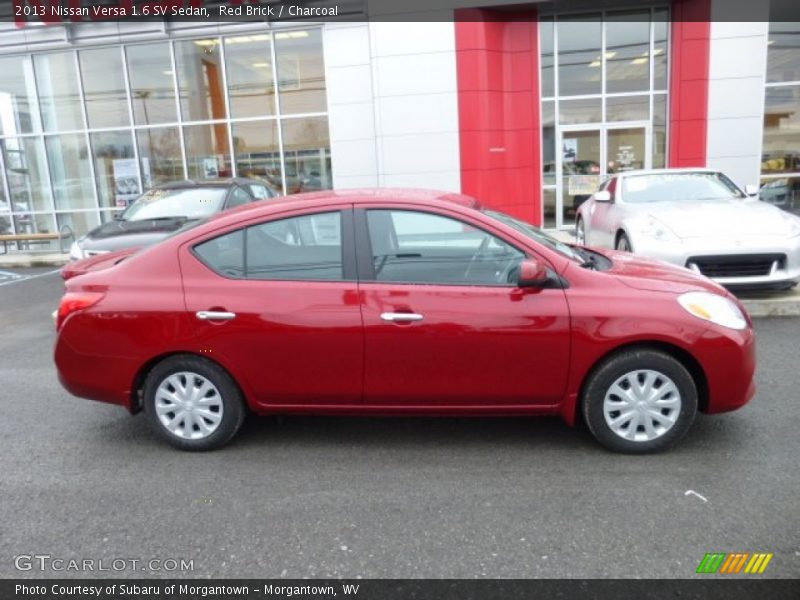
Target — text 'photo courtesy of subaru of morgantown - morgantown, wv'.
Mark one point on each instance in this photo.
(409, 302)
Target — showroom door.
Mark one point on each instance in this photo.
(589, 153)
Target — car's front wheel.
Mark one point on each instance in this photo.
(639, 400)
(193, 403)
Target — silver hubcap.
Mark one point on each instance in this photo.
(580, 235)
(189, 406)
(642, 405)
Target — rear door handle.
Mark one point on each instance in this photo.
(214, 315)
(393, 316)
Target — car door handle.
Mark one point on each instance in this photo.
(214, 315)
(393, 316)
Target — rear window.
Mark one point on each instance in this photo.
(307, 247)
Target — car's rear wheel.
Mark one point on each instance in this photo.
(639, 400)
(580, 233)
(193, 403)
(623, 243)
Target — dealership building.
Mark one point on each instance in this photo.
(525, 106)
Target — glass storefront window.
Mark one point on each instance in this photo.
(18, 112)
(152, 83)
(251, 76)
(783, 192)
(549, 143)
(659, 131)
(627, 108)
(200, 85)
(36, 223)
(781, 148)
(5, 209)
(257, 152)
(660, 36)
(59, 98)
(307, 155)
(69, 171)
(104, 87)
(74, 123)
(547, 57)
(579, 61)
(783, 52)
(585, 110)
(79, 222)
(628, 52)
(207, 153)
(26, 173)
(549, 208)
(301, 71)
(159, 156)
(115, 170)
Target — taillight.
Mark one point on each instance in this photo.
(73, 302)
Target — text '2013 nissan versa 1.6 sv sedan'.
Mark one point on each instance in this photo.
(398, 302)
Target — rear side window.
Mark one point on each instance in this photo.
(224, 254)
(307, 248)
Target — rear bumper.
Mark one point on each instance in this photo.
(95, 377)
(728, 358)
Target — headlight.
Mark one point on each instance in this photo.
(76, 252)
(714, 308)
(794, 224)
(655, 229)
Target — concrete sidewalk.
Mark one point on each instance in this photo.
(758, 304)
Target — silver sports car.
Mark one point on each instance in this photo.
(695, 218)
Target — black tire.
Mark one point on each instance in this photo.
(623, 243)
(233, 406)
(617, 366)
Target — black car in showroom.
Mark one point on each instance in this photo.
(165, 209)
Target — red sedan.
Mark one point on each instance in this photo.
(398, 302)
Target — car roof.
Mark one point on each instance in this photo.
(665, 171)
(398, 196)
(217, 182)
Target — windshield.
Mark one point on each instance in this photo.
(678, 187)
(536, 234)
(189, 203)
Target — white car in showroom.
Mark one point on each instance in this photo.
(698, 219)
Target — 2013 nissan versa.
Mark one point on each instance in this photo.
(398, 302)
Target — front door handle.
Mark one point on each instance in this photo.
(393, 316)
(214, 315)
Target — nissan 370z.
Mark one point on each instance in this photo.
(398, 302)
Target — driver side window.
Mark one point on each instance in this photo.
(420, 247)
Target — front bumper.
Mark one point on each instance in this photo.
(781, 273)
(728, 358)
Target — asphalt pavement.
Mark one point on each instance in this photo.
(363, 497)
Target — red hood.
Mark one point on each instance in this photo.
(657, 275)
(95, 263)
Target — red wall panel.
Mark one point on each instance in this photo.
(499, 110)
(689, 59)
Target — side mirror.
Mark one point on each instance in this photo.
(751, 189)
(532, 273)
(602, 196)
